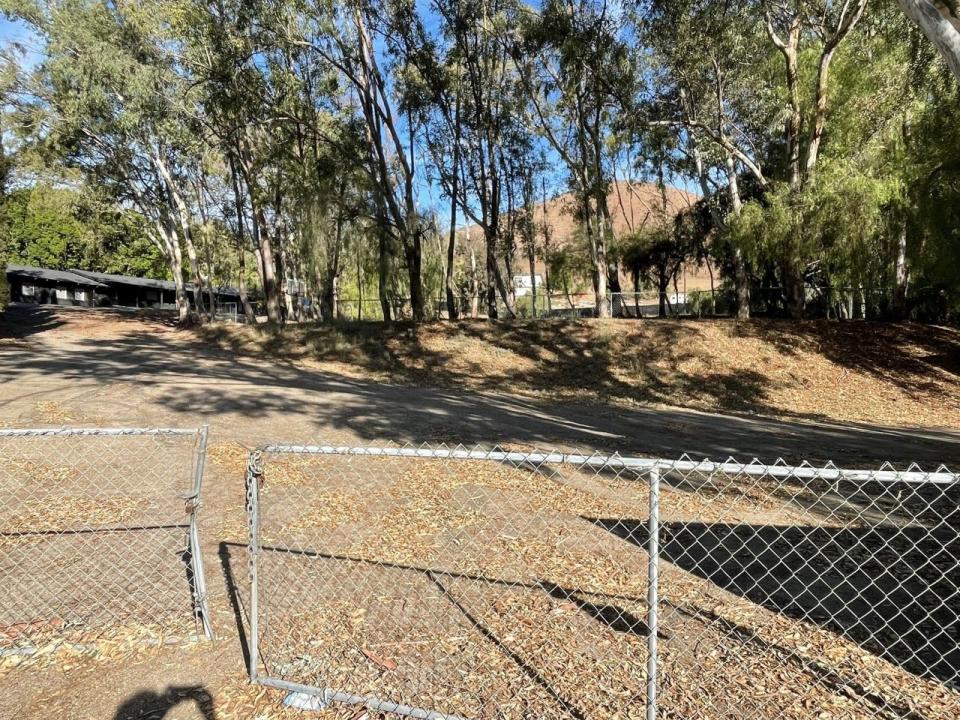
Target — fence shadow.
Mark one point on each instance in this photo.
(233, 595)
(600, 608)
(895, 591)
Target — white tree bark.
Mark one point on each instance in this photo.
(183, 215)
(941, 25)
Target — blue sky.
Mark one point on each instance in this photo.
(429, 194)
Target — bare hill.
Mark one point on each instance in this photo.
(633, 206)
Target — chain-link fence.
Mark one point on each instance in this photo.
(99, 540)
(440, 582)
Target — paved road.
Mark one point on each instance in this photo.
(125, 375)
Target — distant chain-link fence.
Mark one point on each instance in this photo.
(440, 582)
(99, 538)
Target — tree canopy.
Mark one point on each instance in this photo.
(387, 158)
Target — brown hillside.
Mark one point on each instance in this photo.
(633, 206)
(874, 373)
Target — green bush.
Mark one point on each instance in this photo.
(701, 302)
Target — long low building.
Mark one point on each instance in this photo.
(92, 289)
(51, 287)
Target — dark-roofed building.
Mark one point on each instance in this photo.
(126, 291)
(86, 288)
(129, 291)
(51, 287)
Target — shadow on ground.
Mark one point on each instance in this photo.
(664, 360)
(892, 590)
(191, 379)
(149, 705)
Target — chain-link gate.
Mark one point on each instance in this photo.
(442, 583)
(99, 537)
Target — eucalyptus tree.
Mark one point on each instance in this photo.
(940, 22)
(465, 88)
(580, 82)
(107, 99)
(732, 121)
(224, 53)
(353, 41)
(705, 109)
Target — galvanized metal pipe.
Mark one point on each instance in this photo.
(653, 592)
(777, 470)
(196, 553)
(371, 702)
(78, 431)
(253, 501)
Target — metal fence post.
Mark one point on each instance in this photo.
(254, 473)
(653, 550)
(196, 556)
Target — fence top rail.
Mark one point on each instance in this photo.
(778, 469)
(79, 431)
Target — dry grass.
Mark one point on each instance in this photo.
(876, 373)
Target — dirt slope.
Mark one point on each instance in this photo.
(881, 374)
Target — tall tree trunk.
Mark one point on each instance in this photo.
(940, 22)
(170, 245)
(383, 271)
(794, 287)
(663, 283)
(546, 250)
(413, 252)
(474, 286)
(211, 295)
(492, 272)
(819, 114)
(741, 282)
(268, 273)
(359, 287)
(604, 229)
(248, 312)
(179, 207)
(532, 261)
(598, 256)
(794, 118)
(452, 311)
(901, 275)
(262, 244)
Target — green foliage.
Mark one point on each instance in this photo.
(61, 228)
(832, 226)
(44, 229)
(568, 269)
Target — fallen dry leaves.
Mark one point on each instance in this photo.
(877, 373)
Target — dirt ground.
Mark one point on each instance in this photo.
(81, 368)
(876, 373)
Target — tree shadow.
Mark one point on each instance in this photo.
(613, 616)
(895, 591)
(21, 321)
(915, 358)
(189, 377)
(148, 705)
(821, 673)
